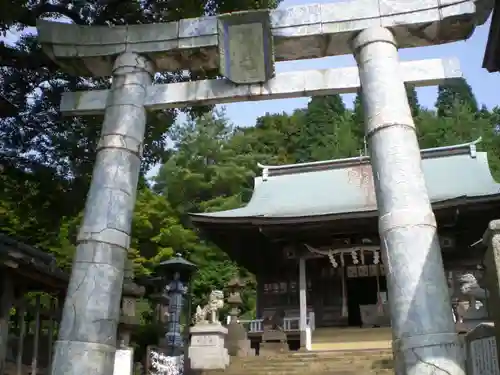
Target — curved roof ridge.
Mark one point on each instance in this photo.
(454, 175)
(274, 170)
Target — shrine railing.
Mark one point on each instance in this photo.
(289, 323)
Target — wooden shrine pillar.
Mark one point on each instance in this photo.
(21, 322)
(36, 338)
(6, 302)
(302, 301)
(53, 314)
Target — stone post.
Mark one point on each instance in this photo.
(87, 334)
(491, 239)
(424, 338)
(236, 342)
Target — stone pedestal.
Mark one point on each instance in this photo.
(471, 316)
(237, 343)
(206, 349)
(273, 341)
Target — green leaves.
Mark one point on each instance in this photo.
(157, 233)
(456, 93)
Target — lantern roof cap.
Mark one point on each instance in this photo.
(177, 264)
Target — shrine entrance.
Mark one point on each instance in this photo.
(350, 288)
(362, 291)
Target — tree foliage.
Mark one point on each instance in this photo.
(51, 157)
(456, 93)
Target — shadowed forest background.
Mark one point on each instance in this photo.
(207, 163)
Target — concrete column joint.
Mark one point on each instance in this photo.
(377, 127)
(372, 35)
(120, 141)
(406, 218)
(422, 341)
(130, 62)
(110, 236)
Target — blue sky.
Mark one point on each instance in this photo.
(486, 86)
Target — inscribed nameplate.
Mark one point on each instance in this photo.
(363, 271)
(483, 356)
(246, 47)
(246, 55)
(352, 271)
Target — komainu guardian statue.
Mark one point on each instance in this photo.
(471, 289)
(471, 299)
(209, 314)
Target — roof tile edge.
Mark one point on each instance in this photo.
(277, 170)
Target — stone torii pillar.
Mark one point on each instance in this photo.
(88, 330)
(425, 341)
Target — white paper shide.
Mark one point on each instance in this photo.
(161, 364)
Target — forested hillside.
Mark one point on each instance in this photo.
(46, 160)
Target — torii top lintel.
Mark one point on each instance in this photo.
(300, 32)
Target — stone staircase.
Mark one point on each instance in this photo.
(359, 362)
(348, 339)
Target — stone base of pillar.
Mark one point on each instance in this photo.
(434, 354)
(207, 350)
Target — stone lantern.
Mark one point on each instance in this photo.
(179, 271)
(234, 299)
(237, 342)
(129, 321)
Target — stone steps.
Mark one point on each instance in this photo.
(375, 362)
(351, 338)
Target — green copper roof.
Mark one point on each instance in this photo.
(344, 186)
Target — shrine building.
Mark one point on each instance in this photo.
(310, 234)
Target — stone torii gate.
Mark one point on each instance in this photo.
(244, 47)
